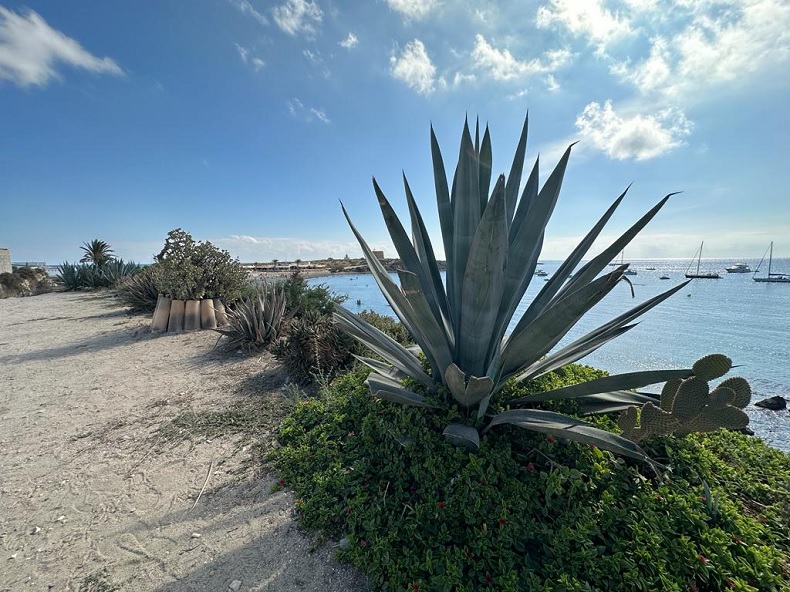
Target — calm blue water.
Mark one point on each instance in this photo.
(746, 320)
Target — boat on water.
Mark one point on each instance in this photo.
(541, 273)
(628, 271)
(738, 268)
(650, 268)
(772, 277)
(664, 277)
(700, 275)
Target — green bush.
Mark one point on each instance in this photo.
(190, 270)
(527, 512)
(300, 298)
(11, 282)
(25, 273)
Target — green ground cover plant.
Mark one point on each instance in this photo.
(529, 511)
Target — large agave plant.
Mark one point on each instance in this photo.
(492, 244)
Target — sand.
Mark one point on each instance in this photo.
(94, 498)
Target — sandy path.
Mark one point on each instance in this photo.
(90, 496)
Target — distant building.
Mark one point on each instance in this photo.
(5, 261)
(378, 255)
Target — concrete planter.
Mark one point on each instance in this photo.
(174, 315)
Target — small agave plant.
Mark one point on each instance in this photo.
(492, 243)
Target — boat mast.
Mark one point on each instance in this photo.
(770, 257)
(700, 255)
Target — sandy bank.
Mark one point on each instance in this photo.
(91, 491)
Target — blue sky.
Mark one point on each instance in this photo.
(245, 122)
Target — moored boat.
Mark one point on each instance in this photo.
(772, 277)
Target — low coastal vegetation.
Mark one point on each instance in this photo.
(25, 281)
(585, 483)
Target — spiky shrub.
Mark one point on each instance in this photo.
(139, 291)
(314, 347)
(255, 322)
(492, 244)
(71, 276)
(117, 269)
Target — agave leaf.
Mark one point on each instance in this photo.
(383, 345)
(516, 168)
(528, 344)
(483, 284)
(383, 368)
(564, 426)
(462, 435)
(528, 197)
(598, 263)
(466, 216)
(581, 347)
(606, 384)
(613, 402)
(427, 257)
(558, 278)
(445, 208)
(467, 393)
(570, 353)
(408, 255)
(396, 299)
(527, 241)
(484, 169)
(430, 333)
(388, 389)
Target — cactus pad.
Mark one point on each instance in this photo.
(743, 392)
(668, 393)
(690, 399)
(720, 397)
(712, 366)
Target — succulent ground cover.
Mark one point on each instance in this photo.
(529, 511)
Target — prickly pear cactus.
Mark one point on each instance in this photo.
(689, 405)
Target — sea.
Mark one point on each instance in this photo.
(734, 315)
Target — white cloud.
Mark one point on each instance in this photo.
(320, 115)
(247, 8)
(501, 65)
(30, 50)
(586, 18)
(243, 52)
(350, 41)
(413, 9)
(298, 110)
(637, 136)
(720, 44)
(414, 68)
(244, 55)
(551, 84)
(298, 16)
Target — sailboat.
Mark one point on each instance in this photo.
(628, 271)
(705, 275)
(776, 278)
